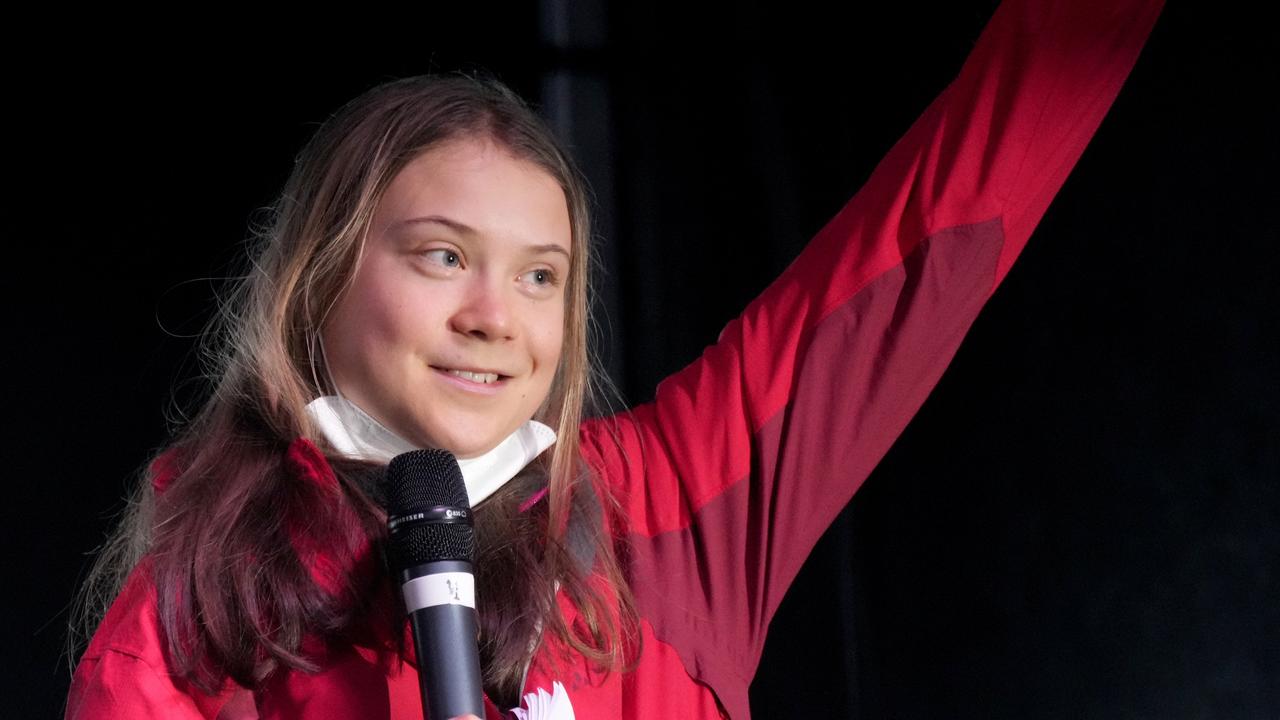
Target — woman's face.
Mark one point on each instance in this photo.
(452, 328)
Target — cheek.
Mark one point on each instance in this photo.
(386, 322)
(367, 326)
(381, 309)
(550, 343)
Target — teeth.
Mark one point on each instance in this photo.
(485, 378)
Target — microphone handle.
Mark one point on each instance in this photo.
(440, 597)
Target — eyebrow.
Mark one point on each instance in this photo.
(464, 229)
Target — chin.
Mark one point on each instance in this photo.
(464, 449)
(461, 436)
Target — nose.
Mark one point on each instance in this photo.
(485, 312)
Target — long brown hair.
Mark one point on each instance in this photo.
(233, 501)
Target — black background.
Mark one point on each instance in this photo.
(1082, 521)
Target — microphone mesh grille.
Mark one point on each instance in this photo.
(417, 481)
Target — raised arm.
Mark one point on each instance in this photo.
(745, 457)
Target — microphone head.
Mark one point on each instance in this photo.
(428, 510)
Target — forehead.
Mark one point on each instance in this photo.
(480, 184)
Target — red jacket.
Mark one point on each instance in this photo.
(744, 458)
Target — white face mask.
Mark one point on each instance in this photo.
(352, 432)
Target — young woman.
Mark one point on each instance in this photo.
(425, 285)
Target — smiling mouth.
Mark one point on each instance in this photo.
(484, 378)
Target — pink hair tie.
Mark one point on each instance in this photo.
(165, 469)
(305, 461)
(340, 559)
(533, 500)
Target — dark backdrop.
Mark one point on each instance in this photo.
(1082, 521)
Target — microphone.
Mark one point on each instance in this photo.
(431, 550)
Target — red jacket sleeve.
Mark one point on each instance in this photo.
(745, 457)
(119, 685)
(123, 673)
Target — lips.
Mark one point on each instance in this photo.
(478, 376)
(483, 378)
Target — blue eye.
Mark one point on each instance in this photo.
(542, 277)
(443, 256)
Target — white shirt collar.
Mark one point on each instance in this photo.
(352, 432)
